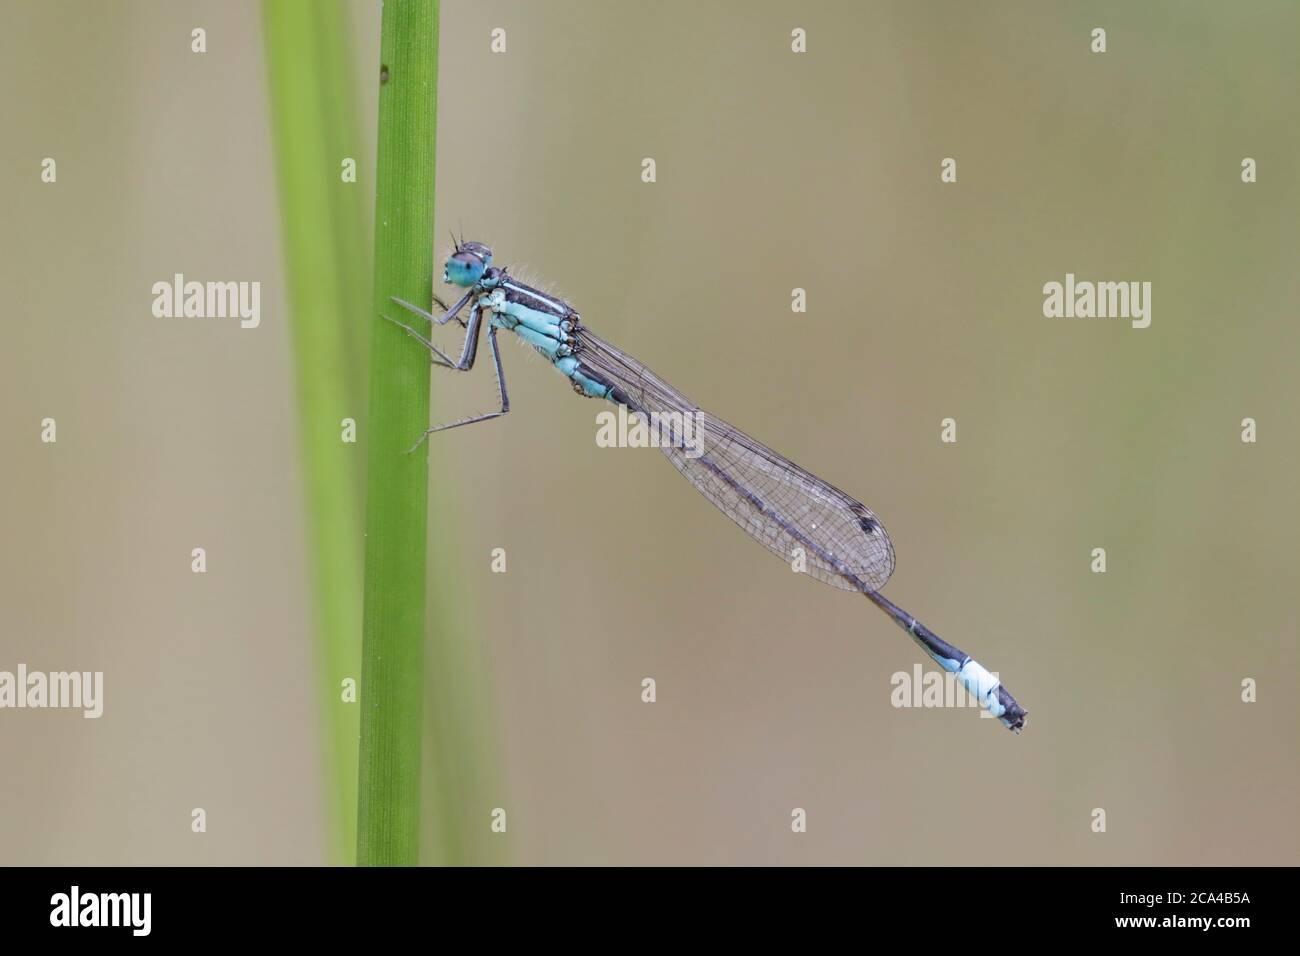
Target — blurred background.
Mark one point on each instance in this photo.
(775, 170)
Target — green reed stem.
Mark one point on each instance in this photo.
(392, 686)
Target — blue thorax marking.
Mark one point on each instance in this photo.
(543, 322)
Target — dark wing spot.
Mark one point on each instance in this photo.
(868, 524)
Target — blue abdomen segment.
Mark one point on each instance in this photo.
(983, 686)
(583, 379)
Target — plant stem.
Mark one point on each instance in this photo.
(326, 266)
(392, 679)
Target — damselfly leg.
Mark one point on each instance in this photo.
(468, 349)
(501, 391)
(469, 352)
(443, 360)
(447, 313)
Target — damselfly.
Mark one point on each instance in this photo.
(791, 512)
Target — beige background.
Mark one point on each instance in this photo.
(774, 171)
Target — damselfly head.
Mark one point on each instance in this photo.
(467, 264)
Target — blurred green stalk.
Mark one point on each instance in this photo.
(392, 684)
(315, 129)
